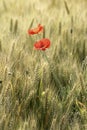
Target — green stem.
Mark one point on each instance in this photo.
(51, 68)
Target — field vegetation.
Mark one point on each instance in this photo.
(43, 90)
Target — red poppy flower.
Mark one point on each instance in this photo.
(43, 44)
(35, 30)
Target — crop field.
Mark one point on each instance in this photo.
(43, 65)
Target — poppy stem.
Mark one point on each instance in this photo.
(51, 68)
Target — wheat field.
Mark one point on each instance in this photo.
(43, 90)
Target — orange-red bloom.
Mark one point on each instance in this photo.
(35, 30)
(43, 44)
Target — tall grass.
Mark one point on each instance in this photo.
(38, 92)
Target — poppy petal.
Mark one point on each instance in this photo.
(35, 30)
(43, 44)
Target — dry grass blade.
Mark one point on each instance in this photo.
(44, 32)
(31, 23)
(16, 26)
(66, 7)
(11, 25)
(5, 6)
(0, 46)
